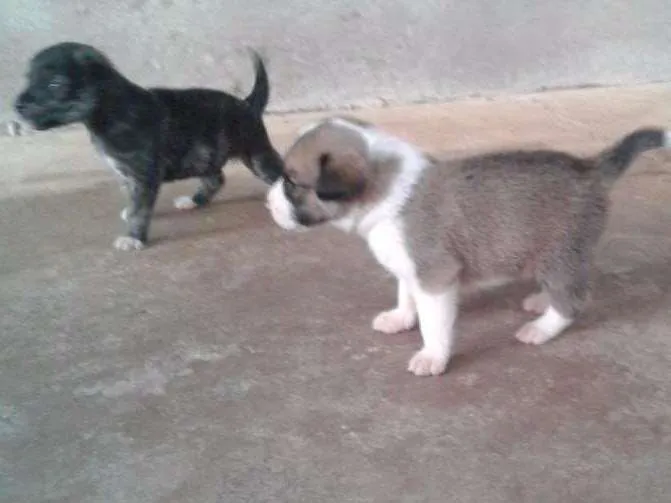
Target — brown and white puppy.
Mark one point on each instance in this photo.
(438, 226)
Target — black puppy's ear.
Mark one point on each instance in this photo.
(91, 57)
(342, 176)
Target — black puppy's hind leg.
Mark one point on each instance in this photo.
(138, 214)
(209, 186)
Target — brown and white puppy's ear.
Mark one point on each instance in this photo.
(342, 175)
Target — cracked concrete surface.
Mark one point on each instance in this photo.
(233, 362)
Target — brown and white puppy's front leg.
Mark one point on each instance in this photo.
(402, 317)
(437, 310)
(436, 307)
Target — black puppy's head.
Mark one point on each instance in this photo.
(64, 83)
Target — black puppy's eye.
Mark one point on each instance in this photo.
(56, 82)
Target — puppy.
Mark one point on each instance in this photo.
(149, 136)
(438, 226)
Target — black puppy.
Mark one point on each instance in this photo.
(150, 136)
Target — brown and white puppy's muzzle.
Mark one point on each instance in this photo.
(326, 176)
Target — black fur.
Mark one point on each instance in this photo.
(152, 135)
(616, 159)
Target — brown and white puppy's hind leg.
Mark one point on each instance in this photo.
(563, 301)
(544, 328)
(565, 287)
(536, 303)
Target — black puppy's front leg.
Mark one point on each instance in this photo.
(142, 197)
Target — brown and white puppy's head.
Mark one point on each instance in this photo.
(341, 171)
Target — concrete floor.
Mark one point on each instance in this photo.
(232, 362)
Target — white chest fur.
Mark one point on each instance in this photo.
(110, 161)
(387, 242)
(115, 166)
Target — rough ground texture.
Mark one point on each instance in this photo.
(232, 362)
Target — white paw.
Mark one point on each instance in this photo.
(536, 303)
(427, 363)
(184, 203)
(531, 334)
(124, 214)
(127, 243)
(394, 321)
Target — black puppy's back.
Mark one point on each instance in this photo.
(203, 128)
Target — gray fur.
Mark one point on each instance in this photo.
(533, 214)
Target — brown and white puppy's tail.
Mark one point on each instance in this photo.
(615, 160)
(258, 98)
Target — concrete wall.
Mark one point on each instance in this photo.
(353, 52)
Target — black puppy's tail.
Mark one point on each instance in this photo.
(258, 98)
(615, 160)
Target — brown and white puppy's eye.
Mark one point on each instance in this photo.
(292, 188)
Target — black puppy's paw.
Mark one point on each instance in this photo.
(185, 203)
(127, 243)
